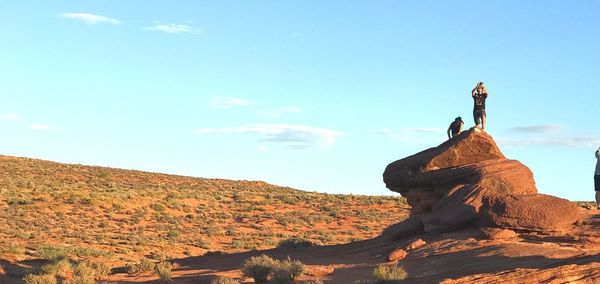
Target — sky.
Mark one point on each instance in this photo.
(315, 95)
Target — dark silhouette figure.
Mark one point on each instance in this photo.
(455, 127)
(597, 179)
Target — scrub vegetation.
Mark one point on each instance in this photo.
(57, 211)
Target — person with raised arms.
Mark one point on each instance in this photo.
(479, 94)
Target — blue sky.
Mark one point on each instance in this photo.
(317, 95)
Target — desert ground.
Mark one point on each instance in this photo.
(467, 215)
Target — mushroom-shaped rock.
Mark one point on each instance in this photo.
(445, 185)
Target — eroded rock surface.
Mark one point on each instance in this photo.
(446, 186)
(529, 212)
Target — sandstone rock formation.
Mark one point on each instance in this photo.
(529, 212)
(497, 234)
(446, 185)
(417, 244)
(397, 255)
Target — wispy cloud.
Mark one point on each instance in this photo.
(9, 116)
(230, 102)
(564, 141)
(91, 19)
(424, 130)
(172, 28)
(293, 136)
(538, 129)
(41, 127)
(281, 111)
(547, 135)
(415, 136)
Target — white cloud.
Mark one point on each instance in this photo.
(424, 130)
(538, 129)
(230, 102)
(415, 136)
(172, 28)
(10, 116)
(564, 141)
(281, 111)
(91, 19)
(41, 127)
(293, 136)
(548, 135)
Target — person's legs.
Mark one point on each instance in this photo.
(597, 188)
(477, 117)
(483, 119)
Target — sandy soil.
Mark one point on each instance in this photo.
(457, 257)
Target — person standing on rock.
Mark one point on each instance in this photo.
(455, 128)
(597, 179)
(479, 94)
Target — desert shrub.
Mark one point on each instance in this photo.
(40, 279)
(87, 272)
(173, 234)
(83, 273)
(385, 273)
(158, 207)
(164, 270)
(61, 268)
(101, 269)
(295, 243)
(218, 252)
(203, 243)
(242, 244)
(224, 280)
(259, 268)
(145, 265)
(286, 271)
(59, 252)
(14, 249)
(51, 252)
(19, 201)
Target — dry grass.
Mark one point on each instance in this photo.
(51, 210)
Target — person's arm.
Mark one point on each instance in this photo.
(461, 127)
(450, 129)
(473, 91)
(598, 154)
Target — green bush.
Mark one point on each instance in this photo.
(224, 280)
(164, 270)
(61, 268)
(295, 243)
(145, 265)
(59, 252)
(385, 273)
(40, 279)
(259, 268)
(101, 269)
(158, 207)
(173, 234)
(83, 273)
(286, 271)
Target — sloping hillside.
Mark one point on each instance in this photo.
(49, 209)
